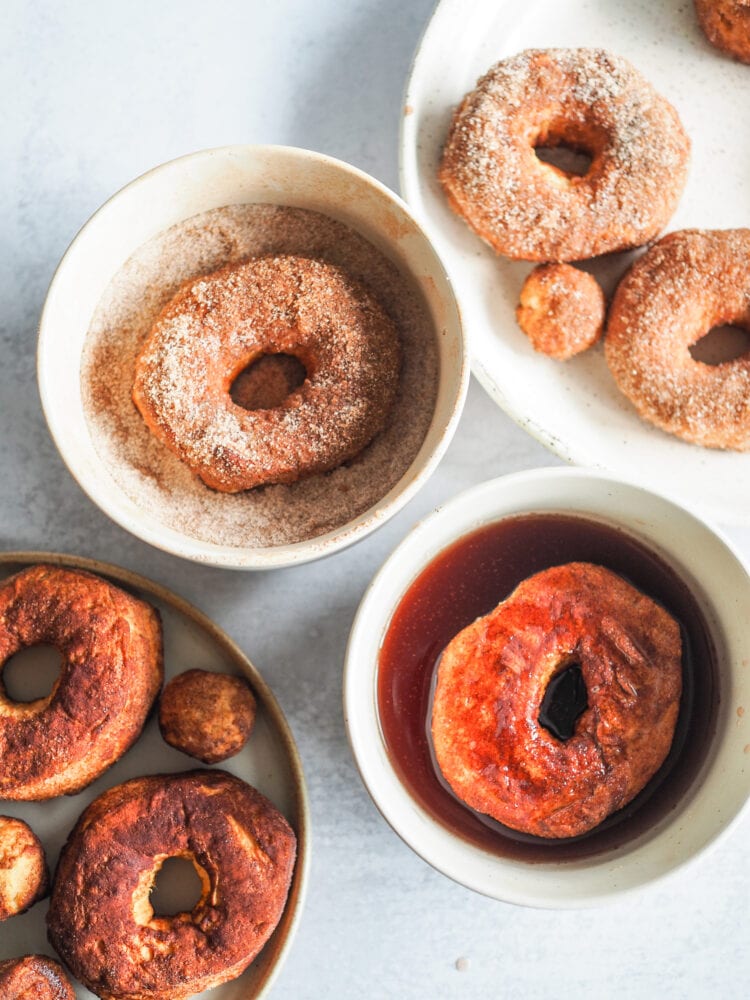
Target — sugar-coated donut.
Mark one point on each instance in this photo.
(111, 673)
(23, 867)
(100, 918)
(34, 977)
(688, 283)
(587, 99)
(726, 24)
(492, 679)
(216, 326)
(561, 310)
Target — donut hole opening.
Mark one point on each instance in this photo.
(31, 674)
(721, 345)
(567, 158)
(564, 701)
(267, 382)
(177, 888)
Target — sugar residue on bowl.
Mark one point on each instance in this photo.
(151, 476)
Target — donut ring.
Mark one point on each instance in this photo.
(586, 99)
(34, 976)
(111, 673)
(726, 24)
(216, 326)
(24, 878)
(688, 283)
(100, 919)
(492, 678)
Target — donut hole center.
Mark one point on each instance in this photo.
(564, 701)
(177, 887)
(31, 674)
(721, 345)
(267, 382)
(566, 158)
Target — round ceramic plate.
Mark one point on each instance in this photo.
(575, 408)
(269, 762)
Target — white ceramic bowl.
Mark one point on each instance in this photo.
(183, 188)
(718, 580)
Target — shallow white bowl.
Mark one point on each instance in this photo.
(176, 191)
(700, 555)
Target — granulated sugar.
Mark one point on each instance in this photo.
(152, 476)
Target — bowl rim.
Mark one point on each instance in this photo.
(254, 558)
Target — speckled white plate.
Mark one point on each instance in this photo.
(575, 408)
(269, 762)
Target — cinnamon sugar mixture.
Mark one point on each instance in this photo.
(152, 476)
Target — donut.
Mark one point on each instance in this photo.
(34, 977)
(490, 742)
(561, 310)
(726, 24)
(100, 919)
(686, 284)
(111, 673)
(585, 99)
(23, 867)
(207, 715)
(217, 326)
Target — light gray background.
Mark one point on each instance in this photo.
(95, 93)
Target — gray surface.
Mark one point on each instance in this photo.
(95, 94)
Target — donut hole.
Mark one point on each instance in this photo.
(177, 887)
(566, 158)
(564, 701)
(721, 345)
(31, 673)
(267, 382)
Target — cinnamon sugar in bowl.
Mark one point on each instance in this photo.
(186, 219)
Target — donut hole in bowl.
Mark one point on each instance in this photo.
(31, 674)
(721, 345)
(267, 381)
(174, 888)
(564, 702)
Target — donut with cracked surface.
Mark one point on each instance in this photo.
(561, 310)
(34, 977)
(24, 878)
(726, 24)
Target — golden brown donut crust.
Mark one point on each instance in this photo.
(492, 678)
(100, 919)
(561, 310)
(111, 673)
(207, 715)
(686, 284)
(726, 24)
(34, 977)
(587, 99)
(23, 867)
(216, 326)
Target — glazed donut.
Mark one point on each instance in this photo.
(111, 673)
(100, 919)
(688, 283)
(561, 310)
(207, 715)
(216, 326)
(23, 867)
(726, 24)
(34, 977)
(489, 742)
(586, 99)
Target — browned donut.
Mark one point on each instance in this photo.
(587, 99)
(111, 673)
(561, 310)
(726, 24)
(34, 977)
(492, 679)
(100, 919)
(688, 283)
(207, 715)
(23, 867)
(216, 326)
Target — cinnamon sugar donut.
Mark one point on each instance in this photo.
(586, 99)
(216, 326)
(111, 673)
(23, 867)
(688, 283)
(34, 977)
(100, 918)
(726, 24)
(561, 310)
(492, 679)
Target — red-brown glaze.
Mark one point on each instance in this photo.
(34, 977)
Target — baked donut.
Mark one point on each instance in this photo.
(585, 99)
(111, 673)
(100, 919)
(726, 24)
(216, 326)
(561, 310)
(207, 715)
(688, 283)
(492, 680)
(34, 977)
(23, 867)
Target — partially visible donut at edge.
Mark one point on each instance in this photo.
(726, 24)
